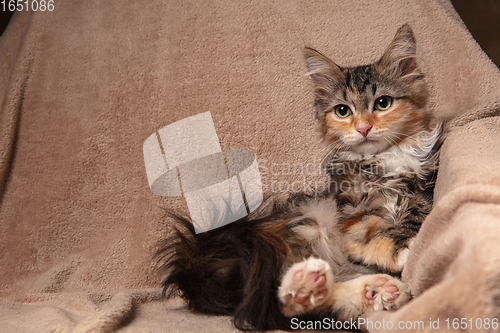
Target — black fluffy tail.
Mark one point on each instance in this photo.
(233, 270)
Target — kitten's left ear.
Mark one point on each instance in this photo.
(400, 56)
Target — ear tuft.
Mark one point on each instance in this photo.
(323, 72)
(400, 57)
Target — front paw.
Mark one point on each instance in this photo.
(384, 292)
(305, 286)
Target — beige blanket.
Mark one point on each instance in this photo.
(82, 87)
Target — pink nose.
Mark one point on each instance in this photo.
(364, 129)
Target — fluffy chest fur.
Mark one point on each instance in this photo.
(414, 155)
(380, 196)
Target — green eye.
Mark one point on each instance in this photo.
(383, 103)
(342, 111)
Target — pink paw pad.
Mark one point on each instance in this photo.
(303, 295)
(390, 289)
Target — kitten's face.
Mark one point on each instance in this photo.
(368, 109)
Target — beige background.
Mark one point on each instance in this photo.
(83, 86)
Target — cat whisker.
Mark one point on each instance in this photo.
(398, 135)
(393, 138)
(329, 155)
(334, 147)
(390, 141)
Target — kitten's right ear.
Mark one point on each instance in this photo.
(324, 73)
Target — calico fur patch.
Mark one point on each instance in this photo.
(325, 253)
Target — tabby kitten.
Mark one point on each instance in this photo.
(324, 254)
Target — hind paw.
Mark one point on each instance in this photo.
(305, 286)
(369, 293)
(384, 292)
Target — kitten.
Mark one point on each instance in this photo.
(326, 254)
